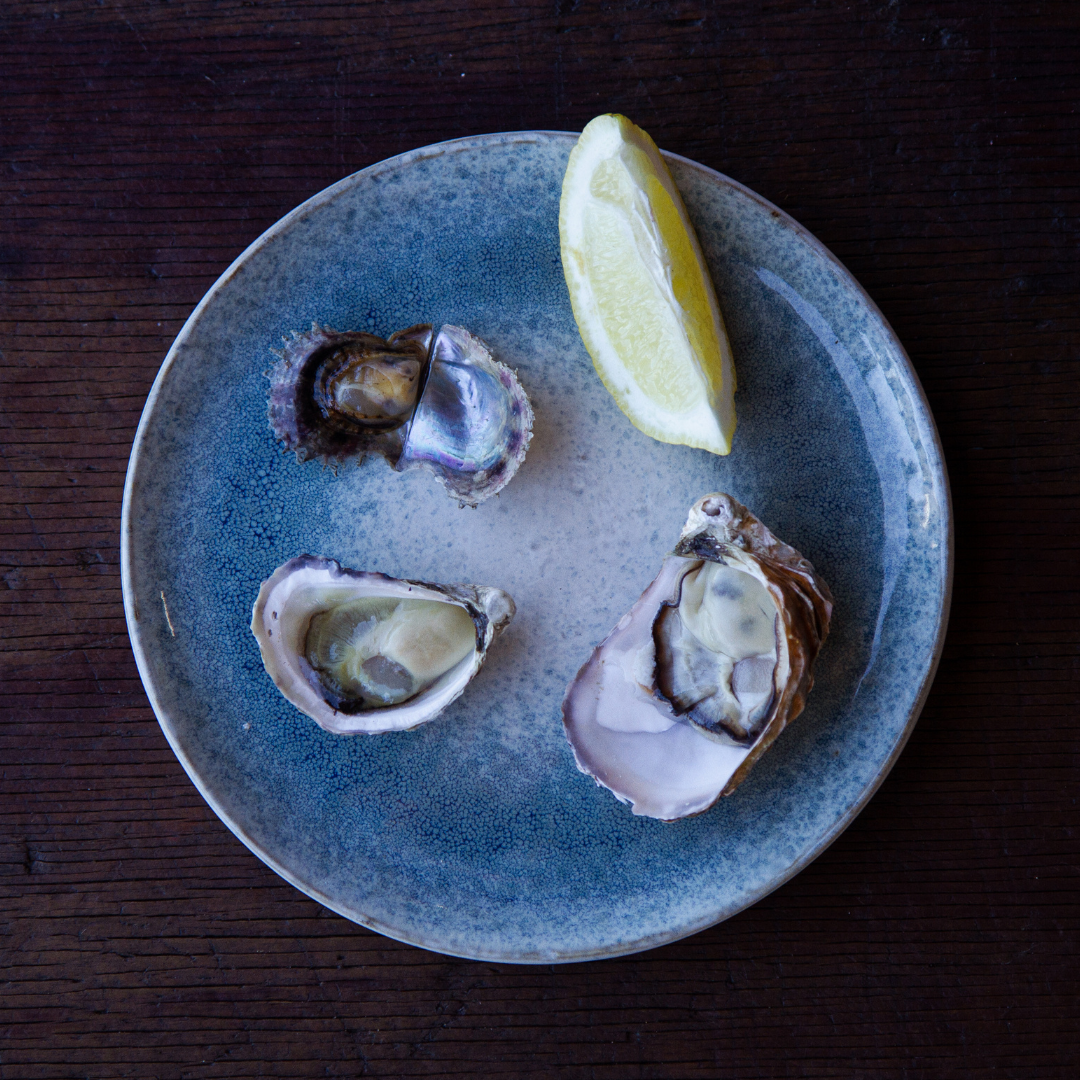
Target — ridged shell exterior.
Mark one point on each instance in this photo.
(290, 597)
(666, 768)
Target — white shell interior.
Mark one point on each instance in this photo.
(627, 738)
(300, 589)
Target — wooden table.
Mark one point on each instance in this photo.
(932, 146)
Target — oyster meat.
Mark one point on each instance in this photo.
(362, 652)
(439, 401)
(713, 661)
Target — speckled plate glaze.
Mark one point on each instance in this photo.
(476, 835)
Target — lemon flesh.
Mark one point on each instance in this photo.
(640, 289)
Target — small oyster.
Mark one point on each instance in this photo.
(708, 667)
(440, 401)
(363, 652)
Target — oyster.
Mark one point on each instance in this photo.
(713, 661)
(363, 652)
(439, 401)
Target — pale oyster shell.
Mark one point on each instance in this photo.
(309, 584)
(629, 737)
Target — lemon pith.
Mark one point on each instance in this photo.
(640, 289)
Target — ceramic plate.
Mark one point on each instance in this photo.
(476, 835)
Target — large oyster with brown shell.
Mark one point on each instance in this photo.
(713, 661)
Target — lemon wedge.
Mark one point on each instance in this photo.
(640, 289)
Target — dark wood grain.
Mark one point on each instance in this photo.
(934, 147)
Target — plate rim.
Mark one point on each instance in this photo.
(165, 722)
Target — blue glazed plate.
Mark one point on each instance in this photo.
(475, 835)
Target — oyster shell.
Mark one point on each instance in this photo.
(713, 661)
(437, 401)
(362, 652)
(473, 422)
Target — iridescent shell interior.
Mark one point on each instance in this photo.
(438, 401)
